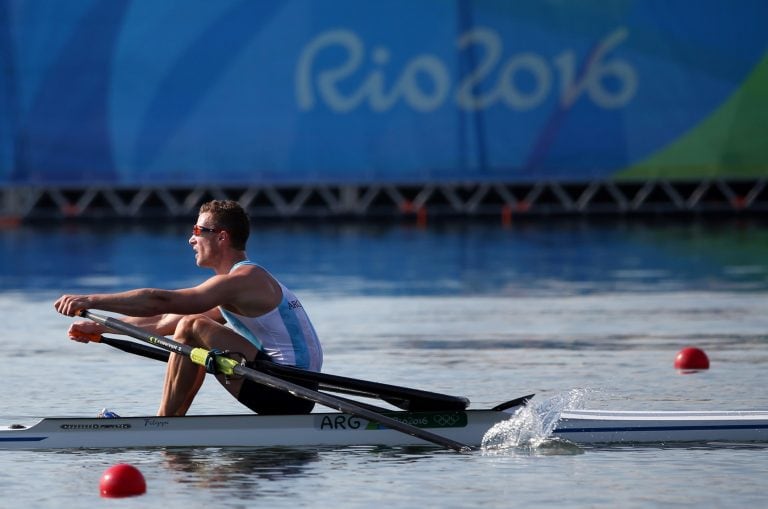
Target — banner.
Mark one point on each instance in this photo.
(244, 92)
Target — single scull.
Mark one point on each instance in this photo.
(423, 417)
(339, 429)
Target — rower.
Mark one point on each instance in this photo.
(242, 309)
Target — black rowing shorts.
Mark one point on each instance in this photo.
(268, 401)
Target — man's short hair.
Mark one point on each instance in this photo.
(230, 216)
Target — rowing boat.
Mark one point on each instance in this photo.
(315, 429)
(423, 417)
(340, 429)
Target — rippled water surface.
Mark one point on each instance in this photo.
(556, 308)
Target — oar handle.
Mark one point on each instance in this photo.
(84, 337)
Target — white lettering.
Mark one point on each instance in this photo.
(597, 69)
(537, 67)
(354, 47)
(491, 42)
(424, 83)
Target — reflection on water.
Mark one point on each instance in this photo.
(243, 470)
(251, 471)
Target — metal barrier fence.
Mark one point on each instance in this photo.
(487, 199)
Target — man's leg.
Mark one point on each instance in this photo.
(183, 378)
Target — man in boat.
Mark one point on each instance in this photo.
(264, 319)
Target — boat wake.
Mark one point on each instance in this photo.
(530, 428)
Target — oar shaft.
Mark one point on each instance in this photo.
(138, 333)
(229, 366)
(136, 348)
(224, 365)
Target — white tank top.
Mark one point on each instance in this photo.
(285, 333)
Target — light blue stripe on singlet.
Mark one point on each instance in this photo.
(244, 262)
(296, 333)
(241, 329)
(291, 322)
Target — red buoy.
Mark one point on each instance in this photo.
(690, 358)
(122, 480)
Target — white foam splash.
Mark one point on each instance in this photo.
(531, 427)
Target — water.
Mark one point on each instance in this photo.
(579, 313)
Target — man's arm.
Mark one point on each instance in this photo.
(251, 290)
(161, 325)
(151, 302)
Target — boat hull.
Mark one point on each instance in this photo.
(336, 429)
(599, 426)
(316, 429)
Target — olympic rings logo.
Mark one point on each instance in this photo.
(446, 421)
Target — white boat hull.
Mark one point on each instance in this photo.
(600, 426)
(316, 429)
(335, 429)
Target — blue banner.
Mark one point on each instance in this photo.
(243, 91)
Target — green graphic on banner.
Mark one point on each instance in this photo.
(730, 144)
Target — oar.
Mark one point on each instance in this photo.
(406, 398)
(415, 400)
(228, 366)
(132, 347)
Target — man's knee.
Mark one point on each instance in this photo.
(189, 327)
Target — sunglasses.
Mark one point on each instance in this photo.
(198, 230)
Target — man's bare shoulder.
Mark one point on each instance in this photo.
(249, 290)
